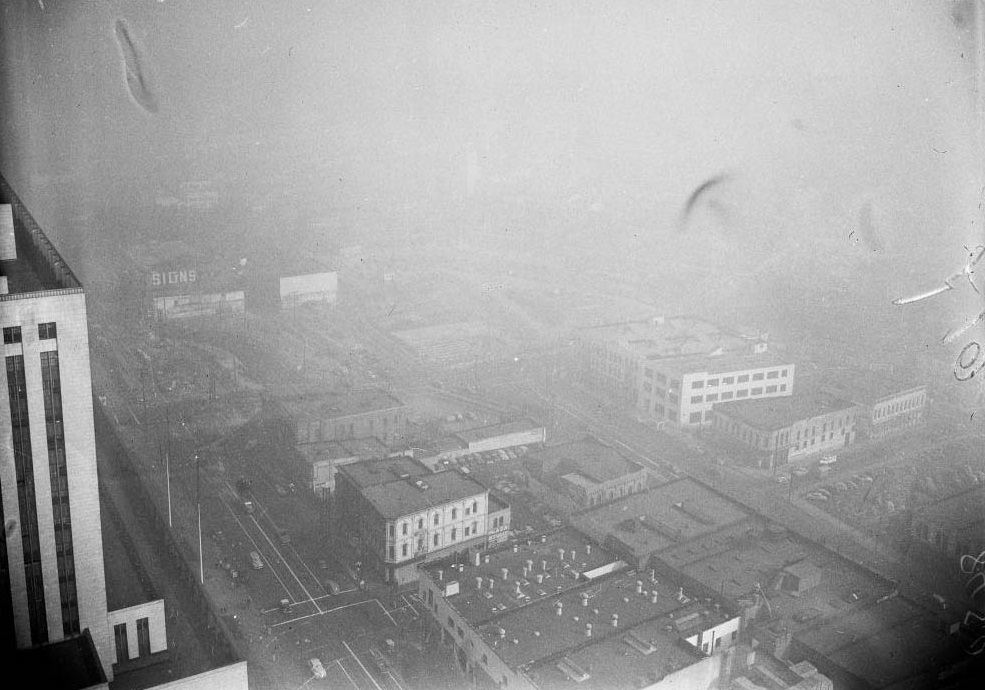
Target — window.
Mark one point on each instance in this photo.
(485, 659)
(782, 373)
(771, 389)
(436, 519)
(727, 395)
(391, 552)
(454, 533)
(728, 380)
(143, 636)
(475, 529)
(757, 391)
(475, 507)
(122, 648)
(695, 417)
(712, 382)
(454, 513)
(392, 532)
(696, 398)
(711, 397)
(403, 550)
(772, 374)
(46, 331)
(403, 528)
(742, 393)
(758, 376)
(743, 378)
(436, 539)
(675, 383)
(697, 384)
(466, 530)
(12, 334)
(420, 523)
(467, 510)
(718, 642)
(783, 386)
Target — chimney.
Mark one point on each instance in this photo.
(558, 606)
(680, 594)
(543, 565)
(478, 558)
(588, 629)
(543, 539)
(540, 578)
(502, 633)
(615, 620)
(560, 553)
(584, 599)
(478, 581)
(518, 592)
(491, 582)
(530, 565)
(588, 549)
(504, 573)
(653, 575)
(441, 574)
(572, 554)
(639, 586)
(653, 596)
(485, 559)
(516, 548)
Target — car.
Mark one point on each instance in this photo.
(281, 491)
(332, 586)
(782, 479)
(828, 460)
(322, 564)
(317, 670)
(800, 471)
(255, 560)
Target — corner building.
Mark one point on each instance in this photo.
(52, 582)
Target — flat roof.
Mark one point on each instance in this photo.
(71, 663)
(338, 405)
(38, 265)
(669, 337)
(587, 457)
(383, 471)
(724, 363)
(957, 511)
(866, 386)
(662, 517)
(402, 497)
(501, 429)
(770, 414)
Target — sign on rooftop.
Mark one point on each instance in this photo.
(8, 247)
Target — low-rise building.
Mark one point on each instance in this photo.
(369, 413)
(782, 430)
(886, 405)
(482, 439)
(403, 514)
(954, 526)
(559, 610)
(319, 462)
(589, 472)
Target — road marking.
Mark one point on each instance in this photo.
(257, 546)
(346, 645)
(322, 612)
(339, 662)
(386, 612)
(416, 614)
(285, 564)
(313, 576)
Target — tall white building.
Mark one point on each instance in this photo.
(51, 559)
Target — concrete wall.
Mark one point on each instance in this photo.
(67, 309)
(157, 624)
(527, 437)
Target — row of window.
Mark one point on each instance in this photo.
(727, 395)
(902, 406)
(741, 378)
(123, 645)
(467, 531)
(46, 331)
(404, 527)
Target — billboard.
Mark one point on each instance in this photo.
(168, 277)
(313, 287)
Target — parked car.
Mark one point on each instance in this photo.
(255, 560)
(284, 536)
(828, 460)
(317, 670)
(332, 586)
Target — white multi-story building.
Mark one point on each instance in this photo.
(404, 515)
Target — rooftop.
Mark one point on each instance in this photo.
(958, 511)
(724, 363)
(770, 414)
(71, 664)
(588, 457)
(405, 496)
(384, 471)
(334, 406)
(662, 517)
(36, 265)
(865, 386)
(518, 617)
(676, 336)
(493, 430)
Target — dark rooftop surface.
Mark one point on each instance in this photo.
(373, 472)
(70, 664)
(865, 385)
(484, 432)
(661, 517)
(38, 265)
(340, 405)
(959, 511)
(402, 497)
(770, 414)
(123, 583)
(675, 336)
(587, 457)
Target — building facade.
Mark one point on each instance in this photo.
(402, 515)
(783, 431)
(360, 414)
(52, 556)
(587, 471)
(886, 406)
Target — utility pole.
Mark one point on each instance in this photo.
(198, 501)
(167, 474)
